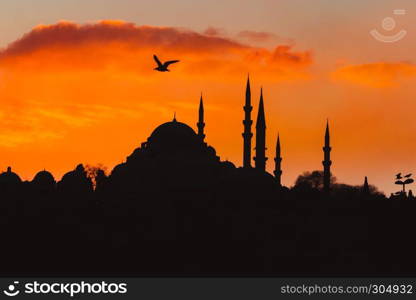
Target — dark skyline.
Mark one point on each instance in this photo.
(259, 160)
(175, 207)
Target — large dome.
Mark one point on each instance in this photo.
(174, 135)
(173, 128)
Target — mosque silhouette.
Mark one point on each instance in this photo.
(175, 142)
(175, 208)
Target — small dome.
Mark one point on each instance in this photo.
(227, 164)
(76, 181)
(44, 178)
(9, 177)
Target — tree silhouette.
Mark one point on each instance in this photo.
(314, 179)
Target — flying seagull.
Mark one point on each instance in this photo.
(163, 67)
(408, 175)
(399, 176)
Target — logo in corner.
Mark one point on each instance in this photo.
(12, 290)
(389, 24)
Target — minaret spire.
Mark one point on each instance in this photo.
(201, 123)
(366, 187)
(278, 161)
(247, 122)
(261, 158)
(327, 160)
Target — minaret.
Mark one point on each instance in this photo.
(261, 158)
(327, 161)
(278, 161)
(247, 122)
(201, 123)
(366, 188)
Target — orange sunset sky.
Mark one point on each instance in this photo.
(77, 83)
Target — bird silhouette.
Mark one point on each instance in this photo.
(163, 67)
(399, 176)
(408, 175)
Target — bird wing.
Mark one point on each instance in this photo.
(408, 175)
(397, 175)
(167, 63)
(159, 63)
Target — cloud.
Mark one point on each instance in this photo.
(257, 36)
(72, 35)
(377, 75)
(119, 44)
(64, 77)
